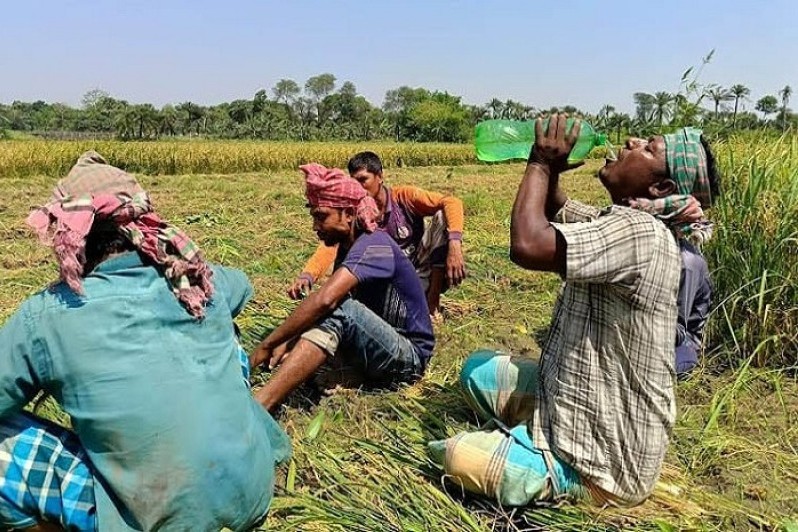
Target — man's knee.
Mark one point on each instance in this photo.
(323, 339)
(332, 330)
(686, 359)
(478, 365)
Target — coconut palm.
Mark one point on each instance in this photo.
(718, 95)
(644, 106)
(618, 122)
(785, 94)
(740, 92)
(663, 106)
(496, 108)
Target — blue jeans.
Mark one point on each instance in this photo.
(363, 339)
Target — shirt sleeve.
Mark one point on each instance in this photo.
(371, 257)
(575, 211)
(614, 249)
(20, 363)
(426, 203)
(321, 260)
(234, 286)
(700, 314)
(695, 295)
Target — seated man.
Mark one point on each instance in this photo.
(685, 217)
(136, 344)
(436, 252)
(382, 329)
(594, 416)
(695, 300)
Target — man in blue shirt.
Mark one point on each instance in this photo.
(383, 330)
(136, 344)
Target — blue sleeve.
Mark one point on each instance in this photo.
(19, 364)
(695, 296)
(234, 286)
(371, 257)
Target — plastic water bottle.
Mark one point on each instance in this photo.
(502, 140)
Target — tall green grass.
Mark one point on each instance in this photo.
(754, 253)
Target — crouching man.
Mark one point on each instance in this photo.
(370, 315)
(136, 344)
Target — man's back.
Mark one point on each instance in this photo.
(607, 373)
(157, 398)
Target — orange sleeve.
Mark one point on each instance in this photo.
(321, 260)
(426, 203)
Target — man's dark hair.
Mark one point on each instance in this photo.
(712, 170)
(365, 160)
(103, 240)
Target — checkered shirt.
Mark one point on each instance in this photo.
(607, 402)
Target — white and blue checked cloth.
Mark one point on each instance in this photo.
(44, 475)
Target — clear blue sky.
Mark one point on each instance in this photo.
(579, 52)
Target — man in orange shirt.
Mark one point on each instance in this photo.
(435, 251)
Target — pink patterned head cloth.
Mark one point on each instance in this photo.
(96, 191)
(331, 187)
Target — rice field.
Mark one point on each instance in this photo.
(359, 458)
(30, 157)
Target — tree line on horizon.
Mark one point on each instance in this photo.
(320, 110)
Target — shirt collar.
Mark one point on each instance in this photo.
(129, 259)
(388, 200)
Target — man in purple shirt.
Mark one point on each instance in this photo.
(372, 312)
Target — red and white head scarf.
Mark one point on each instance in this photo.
(96, 191)
(331, 187)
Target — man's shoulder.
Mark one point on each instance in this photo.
(375, 245)
(376, 238)
(642, 221)
(397, 191)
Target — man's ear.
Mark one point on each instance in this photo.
(660, 189)
(348, 214)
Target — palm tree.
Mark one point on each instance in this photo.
(785, 94)
(167, 120)
(740, 92)
(644, 106)
(496, 107)
(619, 122)
(603, 116)
(125, 122)
(145, 116)
(663, 103)
(529, 112)
(718, 95)
(477, 113)
(685, 112)
(191, 115)
(514, 110)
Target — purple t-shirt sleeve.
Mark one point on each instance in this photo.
(371, 257)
